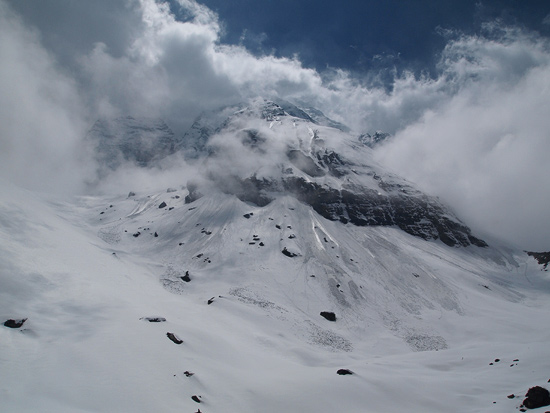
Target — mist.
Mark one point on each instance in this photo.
(474, 134)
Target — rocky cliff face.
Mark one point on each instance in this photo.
(324, 167)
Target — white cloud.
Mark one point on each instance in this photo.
(41, 117)
(476, 134)
(485, 149)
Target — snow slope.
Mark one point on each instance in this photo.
(417, 322)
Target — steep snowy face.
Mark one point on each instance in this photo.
(141, 141)
(263, 151)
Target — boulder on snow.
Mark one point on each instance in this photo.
(288, 253)
(329, 315)
(344, 372)
(15, 323)
(174, 338)
(196, 399)
(186, 277)
(536, 397)
(162, 205)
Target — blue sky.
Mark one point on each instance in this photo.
(365, 35)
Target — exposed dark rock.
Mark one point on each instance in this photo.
(211, 300)
(196, 399)
(194, 194)
(174, 338)
(136, 234)
(156, 235)
(15, 323)
(343, 372)
(374, 140)
(543, 258)
(408, 209)
(329, 315)
(162, 205)
(497, 360)
(131, 194)
(154, 319)
(536, 397)
(188, 373)
(511, 396)
(186, 277)
(261, 244)
(288, 253)
(247, 216)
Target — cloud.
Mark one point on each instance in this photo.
(475, 133)
(41, 116)
(485, 149)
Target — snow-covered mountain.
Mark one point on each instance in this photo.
(289, 273)
(138, 140)
(268, 151)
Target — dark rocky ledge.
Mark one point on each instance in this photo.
(413, 212)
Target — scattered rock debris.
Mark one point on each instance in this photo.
(247, 216)
(329, 315)
(174, 338)
(188, 373)
(15, 323)
(344, 372)
(136, 234)
(162, 205)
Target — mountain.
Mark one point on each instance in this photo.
(372, 141)
(288, 272)
(141, 141)
(321, 166)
